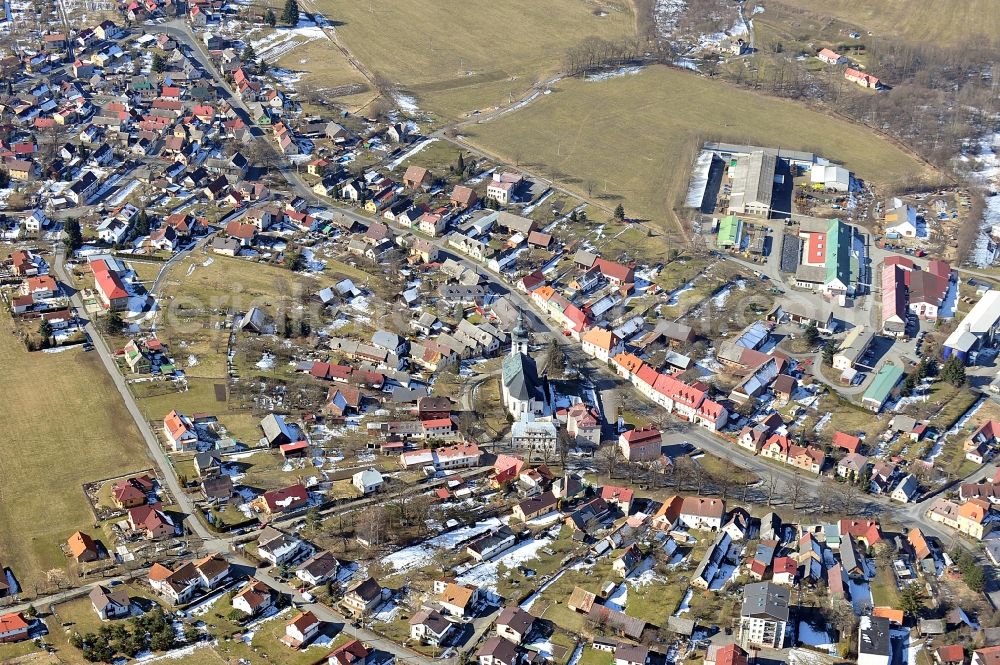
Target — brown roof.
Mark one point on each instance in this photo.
(581, 600)
(702, 507)
(415, 174)
(920, 548)
(158, 572)
(212, 565)
(456, 594)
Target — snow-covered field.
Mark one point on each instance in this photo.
(282, 40)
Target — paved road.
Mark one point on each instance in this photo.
(167, 475)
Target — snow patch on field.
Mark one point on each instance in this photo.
(486, 574)
(410, 153)
(418, 555)
(615, 73)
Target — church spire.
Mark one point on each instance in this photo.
(519, 337)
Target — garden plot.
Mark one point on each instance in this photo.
(418, 555)
(814, 637)
(486, 574)
(641, 576)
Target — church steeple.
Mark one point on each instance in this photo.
(519, 337)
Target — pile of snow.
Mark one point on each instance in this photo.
(266, 362)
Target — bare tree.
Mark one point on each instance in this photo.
(795, 490)
(612, 455)
(771, 485)
(373, 526)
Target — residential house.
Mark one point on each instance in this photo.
(874, 641)
(906, 489)
(497, 651)
(13, 628)
(151, 522)
(255, 598)
(364, 596)
(320, 568)
(83, 548)
(301, 630)
(352, 652)
(282, 500)
(367, 481)
(111, 604)
(279, 547)
(514, 624)
(491, 544)
(702, 513)
(641, 445)
(430, 627)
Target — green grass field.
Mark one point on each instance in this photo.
(946, 23)
(632, 139)
(64, 425)
(457, 57)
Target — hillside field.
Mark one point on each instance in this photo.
(64, 424)
(633, 138)
(455, 57)
(948, 23)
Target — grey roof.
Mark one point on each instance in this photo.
(491, 540)
(520, 376)
(220, 487)
(681, 626)
(209, 459)
(908, 486)
(225, 244)
(386, 339)
(584, 258)
(675, 331)
(631, 653)
(368, 589)
(271, 539)
(753, 181)
(765, 551)
(873, 636)
(275, 429)
(770, 527)
(849, 555)
(254, 319)
(766, 601)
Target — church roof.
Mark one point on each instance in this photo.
(520, 377)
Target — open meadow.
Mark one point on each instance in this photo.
(632, 139)
(64, 425)
(458, 57)
(943, 23)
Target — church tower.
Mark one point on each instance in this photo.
(519, 337)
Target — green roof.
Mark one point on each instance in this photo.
(886, 379)
(838, 252)
(729, 231)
